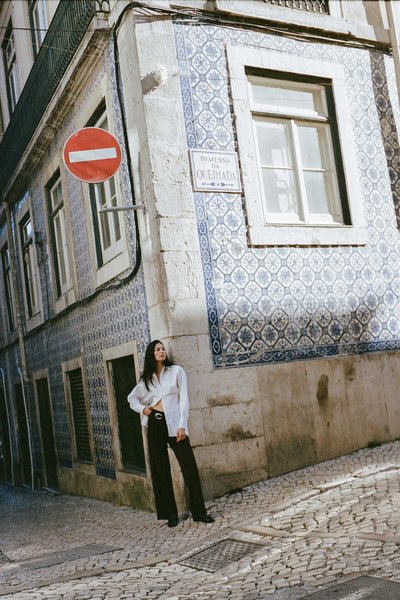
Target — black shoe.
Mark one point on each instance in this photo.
(204, 519)
(173, 522)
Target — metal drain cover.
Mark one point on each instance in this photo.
(56, 558)
(220, 554)
(360, 588)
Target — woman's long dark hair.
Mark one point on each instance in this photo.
(150, 364)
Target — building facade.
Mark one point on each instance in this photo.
(260, 153)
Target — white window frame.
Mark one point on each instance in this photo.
(61, 251)
(115, 257)
(36, 318)
(40, 21)
(12, 71)
(260, 232)
(7, 282)
(291, 120)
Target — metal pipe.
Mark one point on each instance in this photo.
(28, 427)
(120, 208)
(9, 428)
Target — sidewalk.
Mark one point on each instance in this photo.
(319, 526)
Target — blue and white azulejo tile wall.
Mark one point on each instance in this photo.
(111, 319)
(280, 304)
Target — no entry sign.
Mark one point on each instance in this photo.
(92, 154)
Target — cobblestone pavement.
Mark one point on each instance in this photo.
(316, 526)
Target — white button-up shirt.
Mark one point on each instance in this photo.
(171, 390)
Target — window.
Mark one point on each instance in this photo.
(295, 153)
(59, 238)
(107, 226)
(11, 68)
(295, 141)
(31, 286)
(40, 22)
(79, 416)
(7, 282)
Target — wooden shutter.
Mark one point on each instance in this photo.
(79, 413)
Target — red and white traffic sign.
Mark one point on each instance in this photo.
(92, 154)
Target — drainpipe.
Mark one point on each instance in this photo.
(24, 372)
(28, 427)
(9, 428)
(18, 311)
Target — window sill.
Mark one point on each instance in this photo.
(64, 301)
(307, 235)
(112, 268)
(34, 321)
(139, 472)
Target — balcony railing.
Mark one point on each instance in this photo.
(66, 31)
(316, 6)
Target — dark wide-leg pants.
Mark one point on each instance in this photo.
(158, 442)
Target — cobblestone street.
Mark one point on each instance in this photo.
(325, 524)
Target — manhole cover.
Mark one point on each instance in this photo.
(56, 558)
(360, 588)
(220, 554)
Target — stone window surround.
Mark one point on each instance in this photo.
(8, 336)
(121, 262)
(69, 297)
(261, 234)
(66, 367)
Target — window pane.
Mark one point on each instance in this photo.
(60, 250)
(56, 195)
(30, 280)
(317, 192)
(314, 147)
(273, 144)
(280, 191)
(40, 21)
(115, 216)
(284, 97)
(104, 224)
(27, 231)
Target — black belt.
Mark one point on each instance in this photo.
(157, 415)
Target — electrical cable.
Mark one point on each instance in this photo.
(200, 16)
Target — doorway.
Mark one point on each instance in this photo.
(5, 466)
(23, 437)
(46, 427)
(122, 375)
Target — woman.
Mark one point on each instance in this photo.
(161, 397)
